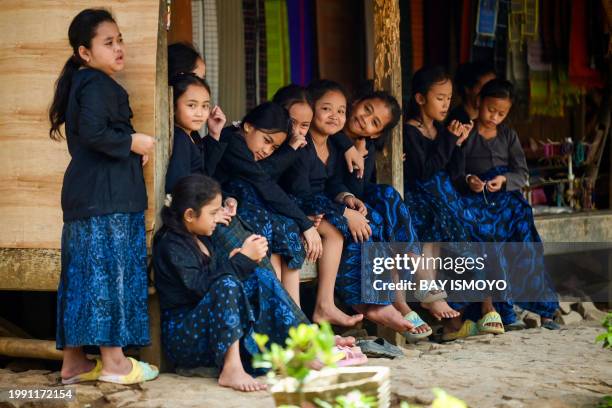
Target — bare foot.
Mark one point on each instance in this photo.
(77, 368)
(335, 316)
(122, 367)
(388, 316)
(440, 309)
(348, 341)
(237, 379)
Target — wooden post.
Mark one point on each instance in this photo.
(388, 76)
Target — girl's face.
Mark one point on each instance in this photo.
(436, 102)
(472, 93)
(260, 143)
(107, 50)
(493, 111)
(330, 113)
(368, 118)
(301, 116)
(192, 108)
(200, 68)
(203, 224)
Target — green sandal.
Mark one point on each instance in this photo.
(491, 317)
(468, 329)
(414, 318)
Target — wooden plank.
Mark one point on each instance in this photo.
(388, 76)
(29, 268)
(30, 348)
(31, 56)
(181, 22)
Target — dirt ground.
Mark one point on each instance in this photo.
(529, 368)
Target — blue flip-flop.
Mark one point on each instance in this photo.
(414, 318)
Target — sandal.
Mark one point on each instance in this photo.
(486, 320)
(91, 375)
(519, 324)
(141, 372)
(430, 296)
(353, 356)
(468, 329)
(379, 348)
(550, 324)
(414, 318)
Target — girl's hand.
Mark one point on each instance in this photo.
(354, 160)
(475, 184)
(455, 128)
(231, 205)
(145, 159)
(360, 145)
(356, 204)
(466, 128)
(297, 141)
(314, 246)
(358, 225)
(496, 183)
(216, 121)
(223, 216)
(255, 247)
(142, 144)
(316, 219)
(234, 252)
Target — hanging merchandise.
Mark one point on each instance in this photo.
(522, 22)
(277, 40)
(486, 23)
(581, 73)
(301, 40)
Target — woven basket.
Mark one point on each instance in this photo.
(330, 383)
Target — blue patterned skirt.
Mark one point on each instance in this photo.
(102, 293)
(507, 217)
(230, 311)
(282, 233)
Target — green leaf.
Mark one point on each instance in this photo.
(261, 340)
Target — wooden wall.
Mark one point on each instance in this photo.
(33, 48)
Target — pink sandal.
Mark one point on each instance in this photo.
(352, 356)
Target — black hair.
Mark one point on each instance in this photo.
(289, 95)
(181, 82)
(422, 81)
(317, 88)
(80, 33)
(468, 75)
(191, 192)
(268, 117)
(182, 58)
(394, 109)
(498, 88)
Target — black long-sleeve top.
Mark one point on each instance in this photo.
(192, 154)
(309, 176)
(505, 149)
(183, 274)
(357, 186)
(104, 176)
(238, 162)
(425, 157)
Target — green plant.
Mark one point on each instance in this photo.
(354, 399)
(442, 400)
(306, 346)
(606, 336)
(606, 402)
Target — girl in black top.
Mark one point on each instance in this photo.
(262, 204)
(212, 304)
(192, 109)
(102, 293)
(309, 179)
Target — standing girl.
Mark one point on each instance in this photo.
(496, 171)
(102, 294)
(211, 305)
(295, 99)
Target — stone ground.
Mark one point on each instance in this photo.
(529, 368)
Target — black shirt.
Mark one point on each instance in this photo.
(425, 157)
(103, 176)
(356, 185)
(309, 176)
(458, 113)
(192, 154)
(238, 162)
(183, 274)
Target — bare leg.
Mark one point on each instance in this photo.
(439, 308)
(233, 375)
(277, 262)
(402, 306)
(325, 308)
(114, 362)
(290, 278)
(75, 362)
